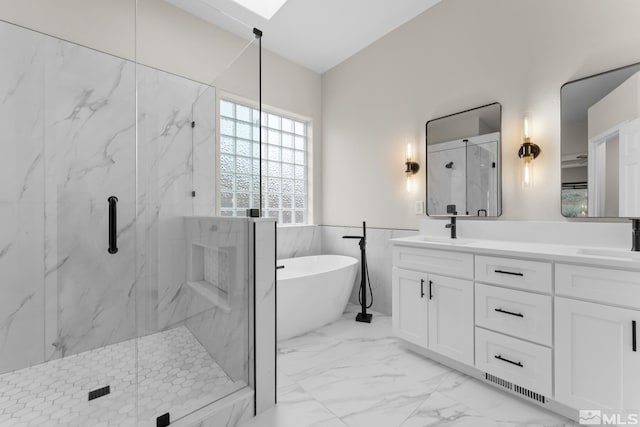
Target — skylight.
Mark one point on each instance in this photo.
(264, 8)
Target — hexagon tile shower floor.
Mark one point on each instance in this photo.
(175, 374)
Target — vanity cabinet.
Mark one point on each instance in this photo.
(451, 317)
(513, 321)
(597, 359)
(596, 348)
(556, 329)
(432, 310)
(409, 306)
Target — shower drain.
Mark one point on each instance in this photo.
(99, 392)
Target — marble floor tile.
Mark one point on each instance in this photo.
(350, 374)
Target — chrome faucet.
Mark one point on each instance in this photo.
(452, 225)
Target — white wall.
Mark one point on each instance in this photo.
(165, 37)
(458, 55)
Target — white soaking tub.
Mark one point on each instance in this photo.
(312, 291)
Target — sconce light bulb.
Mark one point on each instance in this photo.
(408, 183)
(526, 128)
(527, 172)
(409, 152)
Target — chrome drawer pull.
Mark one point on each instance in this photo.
(511, 273)
(499, 310)
(497, 356)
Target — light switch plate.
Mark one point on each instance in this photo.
(419, 207)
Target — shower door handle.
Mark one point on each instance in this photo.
(113, 225)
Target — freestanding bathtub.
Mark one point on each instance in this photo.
(312, 291)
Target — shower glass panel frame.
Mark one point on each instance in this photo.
(111, 313)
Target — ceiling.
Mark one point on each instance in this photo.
(317, 34)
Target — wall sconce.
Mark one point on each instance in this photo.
(411, 167)
(527, 152)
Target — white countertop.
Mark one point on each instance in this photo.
(600, 256)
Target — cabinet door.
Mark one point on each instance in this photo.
(451, 317)
(409, 308)
(596, 366)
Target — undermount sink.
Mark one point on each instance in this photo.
(445, 240)
(620, 254)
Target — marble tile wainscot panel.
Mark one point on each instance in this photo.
(299, 240)
(378, 257)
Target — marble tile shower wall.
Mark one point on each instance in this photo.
(68, 117)
(223, 329)
(173, 160)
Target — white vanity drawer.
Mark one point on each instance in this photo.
(603, 285)
(522, 363)
(455, 264)
(521, 314)
(516, 273)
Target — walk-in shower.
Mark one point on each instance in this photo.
(110, 313)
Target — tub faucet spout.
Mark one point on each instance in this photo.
(363, 316)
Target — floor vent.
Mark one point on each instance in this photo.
(515, 388)
(530, 394)
(99, 392)
(163, 420)
(497, 380)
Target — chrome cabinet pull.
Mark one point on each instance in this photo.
(421, 288)
(430, 290)
(634, 336)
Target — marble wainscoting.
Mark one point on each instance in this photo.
(299, 240)
(378, 257)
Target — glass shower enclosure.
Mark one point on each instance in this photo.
(108, 314)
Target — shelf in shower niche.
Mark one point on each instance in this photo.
(207, 290)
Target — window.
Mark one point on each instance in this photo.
(284, 164)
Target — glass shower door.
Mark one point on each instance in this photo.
(67, 114)
(90, 166)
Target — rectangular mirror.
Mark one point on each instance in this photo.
(463, 163)
(600, 145)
